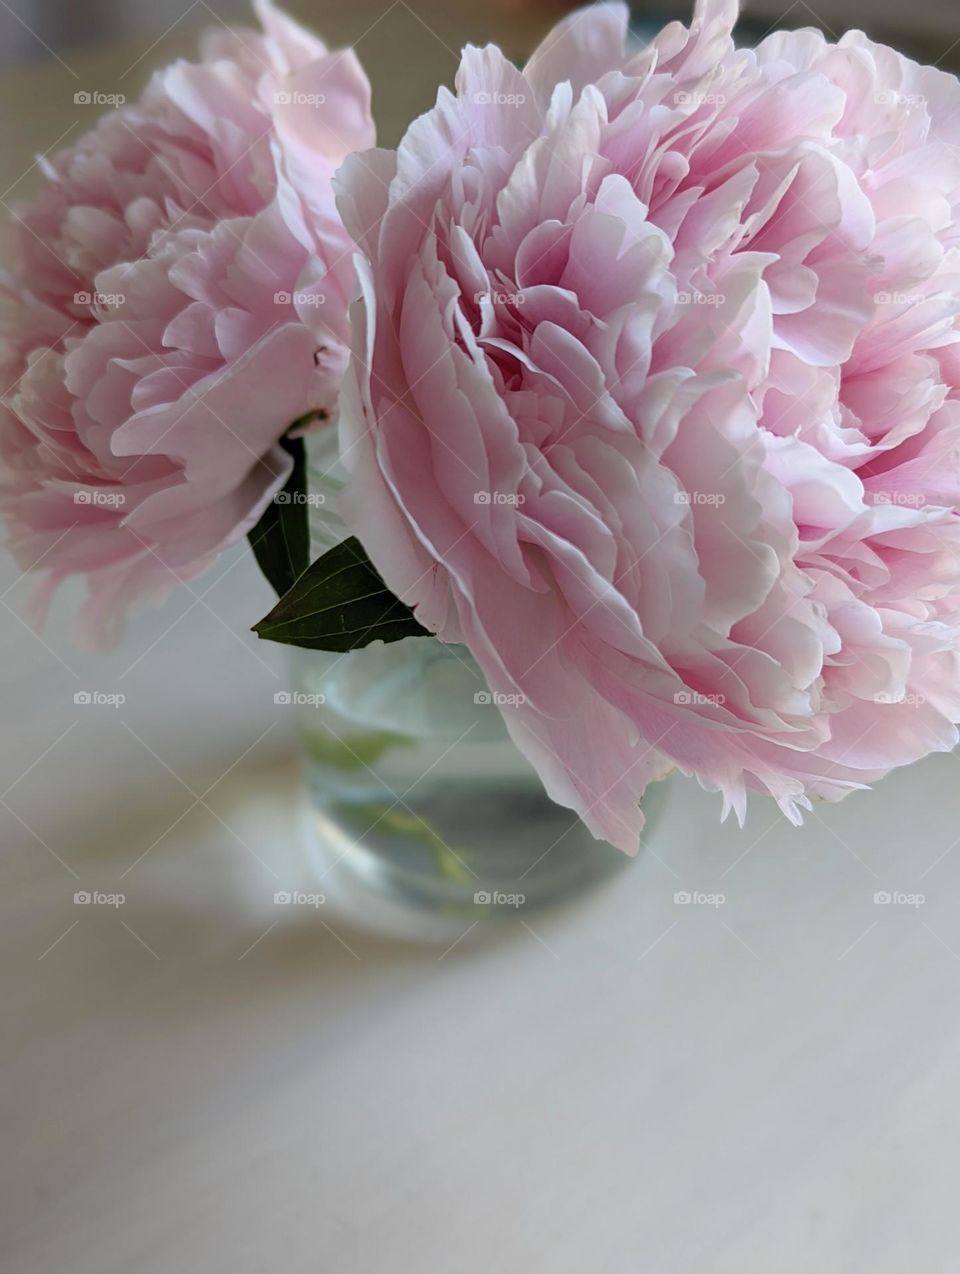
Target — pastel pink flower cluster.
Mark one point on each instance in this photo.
(171, 303)
(655, 404)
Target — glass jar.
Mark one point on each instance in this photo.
(419, 794)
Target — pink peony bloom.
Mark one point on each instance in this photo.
(173, 300)
(654, 404)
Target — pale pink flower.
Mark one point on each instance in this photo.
(654, 404)
(173, 300)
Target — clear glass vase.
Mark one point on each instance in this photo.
(420, 798)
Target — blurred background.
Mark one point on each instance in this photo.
(32, 30)
(50, 49)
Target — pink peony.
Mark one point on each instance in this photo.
(174, 299)
(654, 404)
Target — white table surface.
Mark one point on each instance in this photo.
(630, 1087)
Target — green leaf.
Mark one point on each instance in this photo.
(339, 603)
(281, 539)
